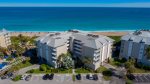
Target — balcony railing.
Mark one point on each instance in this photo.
(54, 54)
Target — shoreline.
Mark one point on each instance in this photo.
(106, 33)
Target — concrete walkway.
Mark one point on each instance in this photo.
(24, 70)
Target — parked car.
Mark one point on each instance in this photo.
(28, 77)
(95, 77)
(10, 74)
(46, 76)
(89, 76)
(4, 77)
(51, 76)
(131, 76)
(23, 77)
(78, 76)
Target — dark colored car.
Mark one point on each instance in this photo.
(95, 77)
(78, 76)
(51, 76)
(4, 77)
(10, 74)
(46, 76)
(28, 77)
(131, 76)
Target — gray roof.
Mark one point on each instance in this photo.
(144, 36)
(54, 40)
(92, 42)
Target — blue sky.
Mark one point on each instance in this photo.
(95, 3)
(73, 1)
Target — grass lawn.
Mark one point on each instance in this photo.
(137, 70)
(38, 71)
(116, 38)
(107, 78)
(101, 69)
(114, 62)
(83, 70)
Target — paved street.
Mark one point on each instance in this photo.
(58, 79)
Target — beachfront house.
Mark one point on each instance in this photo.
(95, 48)
(136, 45)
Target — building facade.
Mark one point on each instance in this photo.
(4, 38)
(134, 45)
(82, 45)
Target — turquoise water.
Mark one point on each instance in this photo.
(64, 18)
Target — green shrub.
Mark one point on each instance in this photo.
(107, 73)
(17, 78)
(32, 71)
(43, 67)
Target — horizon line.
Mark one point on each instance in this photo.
(139, 5)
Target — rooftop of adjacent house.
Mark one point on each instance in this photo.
(138, 36)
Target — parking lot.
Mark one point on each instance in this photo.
(58, 79)
(142, 78)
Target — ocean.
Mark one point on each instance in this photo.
(82, 18)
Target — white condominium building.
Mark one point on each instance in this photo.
(4, 38)
(82, 45)
(134, 45)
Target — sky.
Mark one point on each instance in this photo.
(80, 3)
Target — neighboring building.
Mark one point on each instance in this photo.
(133, 45)
(82, 45)
(4, 38)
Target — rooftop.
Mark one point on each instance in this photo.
(88, 39)
(138, 36)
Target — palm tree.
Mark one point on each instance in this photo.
(87, 60)
(148, 52)
(59, 60)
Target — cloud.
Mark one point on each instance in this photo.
(75, 5)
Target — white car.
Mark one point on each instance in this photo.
(90, 76)
(23, 77)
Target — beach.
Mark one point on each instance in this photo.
(44, 33)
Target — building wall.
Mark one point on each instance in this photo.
(124, 47)
(62, 50)
(137, 51)
(98, 56)
(5, 40)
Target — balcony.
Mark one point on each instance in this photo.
(78, 46)
(54, 50)
(77, 49)
(53, 54)
(98, 54)
(95, 59)
(54, 61)
(53, 57)
(97, 51)
(67, 45)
